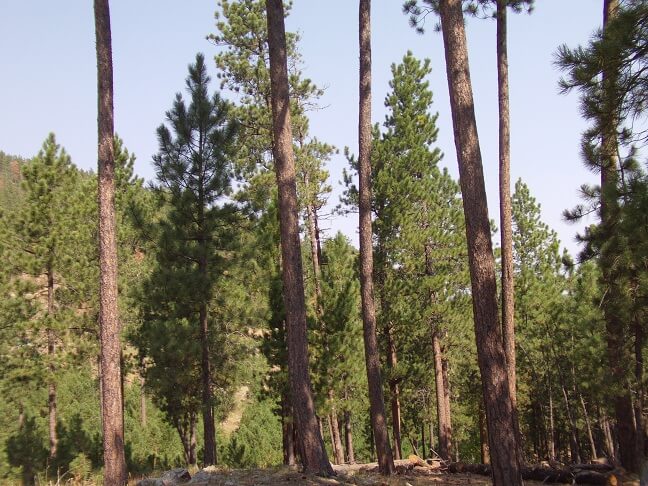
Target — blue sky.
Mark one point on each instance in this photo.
(49, 82)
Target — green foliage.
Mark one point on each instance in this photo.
(257, 441)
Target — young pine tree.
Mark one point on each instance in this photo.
(193, 174)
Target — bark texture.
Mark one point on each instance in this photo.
(442, 399)
(377, 405)
(314, 458)
(491, 356)
(394, 389)
(112, 412)
(506, 230)
(348, 438)
(619, 358)
(209, 429)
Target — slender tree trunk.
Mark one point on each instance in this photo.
(423, 438)
(209, 428)
(638, 379)
(573, 431)
(590, 436)
(287, 432)
(335, 428)
(51, 352)
(551, 435)
(618, 358)
(506, 231)
(314, 456)
(193, 458)
(492, 359)
(143, 415)
(377, 405)
(483, 434)
(392, 361)
(443, 415)
(109, 325)
(348, 438)
(609, 441)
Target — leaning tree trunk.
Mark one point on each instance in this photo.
(312, 450)
(376, 402)
(492, 360)
(109, 325)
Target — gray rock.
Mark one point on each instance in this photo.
(170, 478)
(203, 475)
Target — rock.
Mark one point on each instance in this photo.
(416, 460)
(170, 478)
(203, 475)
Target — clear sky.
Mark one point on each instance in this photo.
(47, 51)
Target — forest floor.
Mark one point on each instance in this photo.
(359, 475)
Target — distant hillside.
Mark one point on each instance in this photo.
(10, 180)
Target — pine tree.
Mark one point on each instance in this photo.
(112, 403)
(609, 72)
(312, 449)
(192, 169)
(492, 359)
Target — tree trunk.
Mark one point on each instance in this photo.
(550, 436)
(638, 379)
(336, 445)
(609, 441)
(143, 414)
(51, 351)
(288, 434)
(377, 405)
(590, 436)
(483, 434)
(209, 428)
(337, 441)
(348, 438)
(443, 414)
(573, 431)
(618, 358)
(193, 458)
(109, 325)
(506, 231)
(492, 359)
(392, 360)
(423, 439)
(314, 456)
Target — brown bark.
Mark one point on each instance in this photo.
(51, 351)
(337, 440)
(314, 456)
(288, 434)
(193, 444)
(143, 414)
(506, 231)
(394, 389)
(109, 325)
(483, 435)
(442, 394)
(618, 358)
(573, 431)
(348, 438)
(376, 401)
(551, 446)
(334, 427)
(491, 356)
(588, 424)
(209, 429)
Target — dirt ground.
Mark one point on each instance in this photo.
(346, 475)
